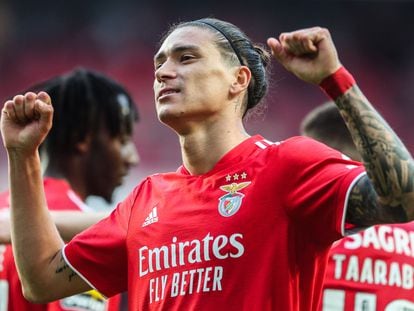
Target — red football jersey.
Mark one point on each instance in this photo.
(251, 234)
(372, 270)
(59, 196)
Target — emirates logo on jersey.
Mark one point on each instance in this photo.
(229, 204)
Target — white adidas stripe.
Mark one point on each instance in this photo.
(151, 218)
(263, 144)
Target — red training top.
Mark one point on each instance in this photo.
(372, 270)
(59, 196)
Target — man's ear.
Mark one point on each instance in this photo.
(84, 146)
(241, 81)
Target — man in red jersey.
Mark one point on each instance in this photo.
(87, 153)
(244, 223)
(372, 269)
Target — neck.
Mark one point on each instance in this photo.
(65, 170)
(202, 148)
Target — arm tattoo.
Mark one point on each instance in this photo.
(364, 209)
(64, 267)
(389, 165)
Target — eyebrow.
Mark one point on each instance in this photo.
(177, 49)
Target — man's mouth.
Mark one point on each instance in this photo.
(166, 92)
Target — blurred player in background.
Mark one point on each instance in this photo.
(88, 152)
(371, 270)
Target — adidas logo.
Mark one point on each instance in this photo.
(151, 218)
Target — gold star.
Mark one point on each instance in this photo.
(244, 175)
(236, 176)
(228, 177)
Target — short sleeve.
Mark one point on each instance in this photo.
(318, 182)
(99, 254)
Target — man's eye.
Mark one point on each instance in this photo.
(158, 65)
(185, 57)
(125, 139)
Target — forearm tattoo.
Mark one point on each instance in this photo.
(388, 194)
(63, 267)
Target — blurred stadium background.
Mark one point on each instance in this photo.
(39, 39)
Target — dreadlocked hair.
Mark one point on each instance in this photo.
(83, 101)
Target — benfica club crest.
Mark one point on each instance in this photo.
(230, 203)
